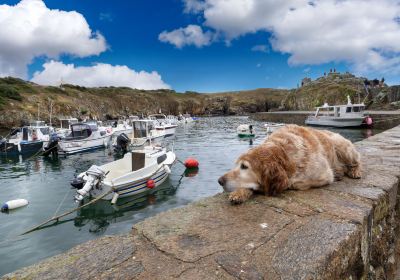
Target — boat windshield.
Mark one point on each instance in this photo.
(328, 111)
(139, 129)
(80, 130)
(45, 130)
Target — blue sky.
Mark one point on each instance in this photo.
(226, 62)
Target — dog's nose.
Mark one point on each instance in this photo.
(221, 181)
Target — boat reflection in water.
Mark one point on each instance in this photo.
(102, 214)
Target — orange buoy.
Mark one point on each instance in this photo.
(150, 184)
(191, 163)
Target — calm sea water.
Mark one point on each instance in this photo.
(44, 182)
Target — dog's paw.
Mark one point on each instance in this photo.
(354, 172)
(236, 198)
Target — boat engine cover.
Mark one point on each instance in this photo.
(77, 183)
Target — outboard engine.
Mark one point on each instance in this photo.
(122, 143)
(52, 146)
(93, 176)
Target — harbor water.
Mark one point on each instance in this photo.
(44, 182)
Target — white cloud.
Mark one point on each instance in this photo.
(29, 29)
(363, 33)
(190, 35)
(97, 75)
(260, 48)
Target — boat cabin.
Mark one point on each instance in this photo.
(340, 111)
(81, 130)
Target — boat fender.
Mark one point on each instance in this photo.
(368, 120)
(151, 184)
(14, 204)
(167, 169)
(191, 163)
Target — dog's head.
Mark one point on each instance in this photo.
(265, 169)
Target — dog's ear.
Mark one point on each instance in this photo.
(274, 179)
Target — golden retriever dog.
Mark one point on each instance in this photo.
(293, 157)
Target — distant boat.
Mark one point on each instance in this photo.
(65, 126)
(161, 122)
(245, 130)
(349, 115)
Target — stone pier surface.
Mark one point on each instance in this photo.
(346, 230)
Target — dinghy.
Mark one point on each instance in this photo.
(245, 130)
(135, 173)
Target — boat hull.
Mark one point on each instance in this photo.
(26, 148)
(335, 122)
(169, 130)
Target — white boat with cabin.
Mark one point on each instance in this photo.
(84, 137)
(349, 115)
(161, 122)
(135, 173)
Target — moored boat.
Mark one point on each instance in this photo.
(161, 122)
(22, 141)
(84, 137)
(143, 134)
(245, 130)
(135, 173)
(349, 115)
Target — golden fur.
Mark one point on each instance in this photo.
(293, 157)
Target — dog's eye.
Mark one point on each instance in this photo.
(243, 166)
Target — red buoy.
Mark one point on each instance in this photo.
(191, 163)
(150, 184)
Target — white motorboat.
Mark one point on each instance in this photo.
(84, 137)
(245, 130)
(135, 173)
(271, 126)
(349, 115)
(143, 134)
(161, 122)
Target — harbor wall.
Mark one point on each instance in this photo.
(382, 119)
(346, 230)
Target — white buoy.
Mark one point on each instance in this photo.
(14, 204)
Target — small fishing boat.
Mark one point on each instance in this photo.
(245, 130)
(143, 134)
(271, 126)
(21, 141)
(136, 172)
(161, 122)
(349, 115)
(84, 137)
